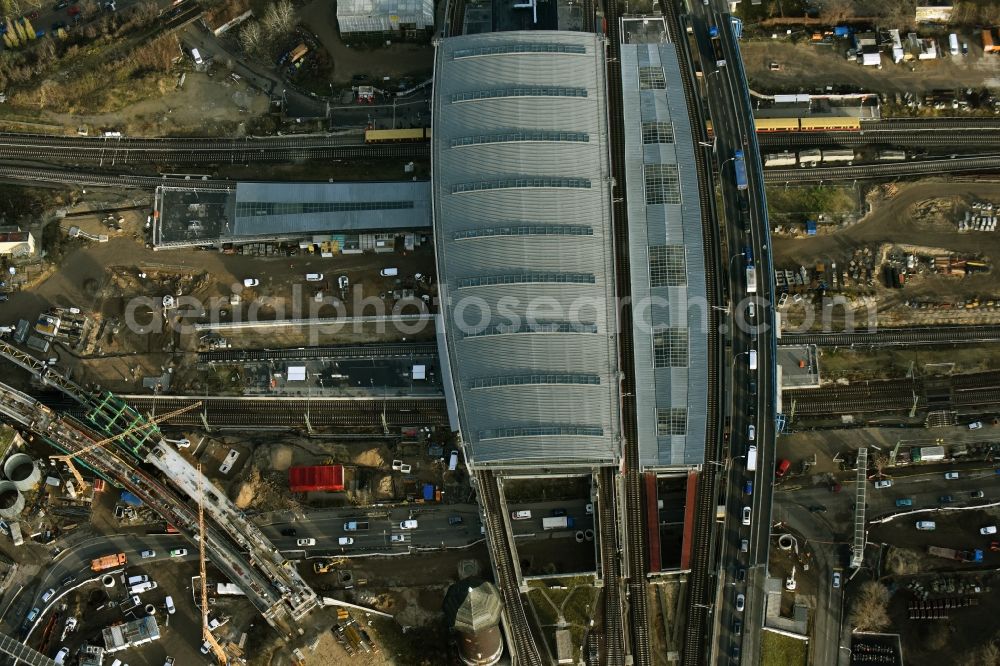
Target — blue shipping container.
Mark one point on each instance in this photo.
(131, 499)
(811, 227)
(428, 492)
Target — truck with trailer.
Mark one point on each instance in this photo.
(557, 523)
(720, 59)
(838, 156)
(108, 562)
(356, 526)
(974, 555)
(740, 164)
(779, 159)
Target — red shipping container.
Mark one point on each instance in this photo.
(322, 477)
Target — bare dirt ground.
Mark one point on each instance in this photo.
(203, 104)
(896, 220)
(397, 60)
(805, 66)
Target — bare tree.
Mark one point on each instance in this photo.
(252, 38)
(870, 611)
(279, 19)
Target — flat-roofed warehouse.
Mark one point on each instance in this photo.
(666, 254)
(189, 216)
(521, 205)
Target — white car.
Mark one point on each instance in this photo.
(146, 554)
(205, 647)
(836, 579)
(169, 602)
(951, 476)
(741, 602)
(250, 282)
(989, 529)
(398, 538)
(751, 433)
(314, 277)
(524, 514)
(345, 541)
(745, 546)
(746, 515)
(48, 594)
(389, 272)
(343, 282)
(751, 310)
(883, 483)
(178, 552)
(975, 425)
(408, 525)
(926, 525)
(168, 302)
(589, 509)
(60, 657)
(306, 542)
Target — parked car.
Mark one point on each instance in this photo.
(523, 514)
(975, 425)
(883, 483)
(748, 487)
(169, 602)
(345, 541)
(745, 545)
(746, 515)
(741, 602)
(926, 525)
(904, 501)
(589, 509)
(146, 554)
(60, 657)
(836, 579)
(389, 272)
(398, 538)
(343, 282)
(178, 552)
(250, 282)
(314, 277)
(989, 529)
(306, 542)
(51, 592)
(751, 433)
(951, 476)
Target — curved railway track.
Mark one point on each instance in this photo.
(635, 525)
(373, 351)
(888, 337)
(524, 643)
(700, 592)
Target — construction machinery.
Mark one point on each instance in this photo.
(68, 458)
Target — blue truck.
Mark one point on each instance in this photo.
(741, 170)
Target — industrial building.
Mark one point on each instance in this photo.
(317, 212)
(382, 16)
(17, 244)
(130, 634)
(667, 255)
(523, 237)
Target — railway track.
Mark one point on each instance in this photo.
(523, 643)
(237, 155)
(372, 351)
(902, 138)
(889, 337)
(89, 178)
(613, 649)
(894, 170)
(702, 534)
(298, 413)
(930, 124)
(635, 550)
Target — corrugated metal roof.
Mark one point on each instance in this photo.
(523, 233)
(384, 15)
(678, 226)
(276, 209)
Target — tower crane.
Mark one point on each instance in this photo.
(206, 633)
(68, 458)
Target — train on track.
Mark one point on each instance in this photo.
(814, 157)
(803, 124)
(414, 134)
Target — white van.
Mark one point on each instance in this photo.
(143, 587)
(169, 601)
(524, 514)
(314, 277)
(453, 461)
(197, 57)
(953, 44)
(753, 359)
(389, 272)
(135, 580)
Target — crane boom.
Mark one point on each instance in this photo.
(206, 633)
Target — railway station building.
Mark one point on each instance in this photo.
(521, 189)
(523, 236)
(667, 255)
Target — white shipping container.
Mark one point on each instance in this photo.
(779, 159)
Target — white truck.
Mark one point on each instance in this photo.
(779, 159)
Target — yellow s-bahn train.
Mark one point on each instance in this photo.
(804, 124)
(398, 135)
